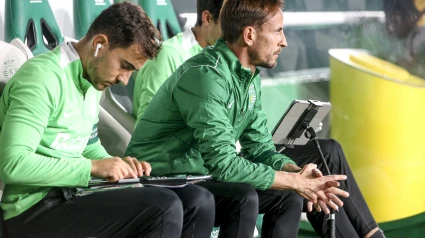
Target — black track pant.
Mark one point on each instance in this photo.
(131, 212)
(238, 205)
(354, 219)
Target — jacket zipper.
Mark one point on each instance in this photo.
(246, 93)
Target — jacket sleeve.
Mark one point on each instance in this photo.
(256, 140)
(29, 105)
(153, 74)
(94, 149)
(202, 104)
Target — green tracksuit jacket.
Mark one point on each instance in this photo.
(48, 129)
(193, 121)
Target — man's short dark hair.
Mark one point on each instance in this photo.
(235, 15)
(213, 6)
(124, 24)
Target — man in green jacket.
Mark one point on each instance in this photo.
(48, 143)
(213, 100)
(175, 51)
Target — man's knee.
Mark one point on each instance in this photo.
(282, 201)
(170, 203)
(330, 146)
(295, 200)
(244, 202)
(335, 156)
(199, 198)
(246, 194)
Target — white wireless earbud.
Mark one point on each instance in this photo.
(98, 46)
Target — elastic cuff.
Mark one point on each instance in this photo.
(85, 173)
(271, 181)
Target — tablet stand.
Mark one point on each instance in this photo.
(303, 126)
(330, 223)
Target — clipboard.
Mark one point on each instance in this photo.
(176, 181)
(154, 181)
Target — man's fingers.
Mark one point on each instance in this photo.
(333, 183)
(317, 173)
(146, 167)
(309, 206)
(139, 168)
(111, 179)
(332, 205)
(337, 191)
(117, 175)
(335, 199)
(312, 197)
(334, 178)
(309, 196)
(132, 164)
(318, 208)
(324, 207)
(129, 171)
(322, 196)
(310, 166)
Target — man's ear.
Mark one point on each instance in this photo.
(102, 40)
(249, 35)
(207, 18)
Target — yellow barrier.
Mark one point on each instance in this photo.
(378, 116)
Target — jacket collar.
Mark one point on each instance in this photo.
(69, 55)
(188, 39)
(233, 61)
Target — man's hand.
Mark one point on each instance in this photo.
(139, 167)
(113, 169)
(324, 198)
(321, 205)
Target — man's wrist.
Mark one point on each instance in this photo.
(286, 180)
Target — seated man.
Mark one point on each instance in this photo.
(349, 223)
(175, 51)
(214, 99)
(48, 143)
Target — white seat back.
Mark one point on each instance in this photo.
(11, 58)
(117, 111)
(113, 136)
(23, 47)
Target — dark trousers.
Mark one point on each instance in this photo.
(238, 205)
(354, 219)
(198, 211)
(130, 212)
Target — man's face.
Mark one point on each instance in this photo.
(214, 32)
(114, 66)
(268, 43)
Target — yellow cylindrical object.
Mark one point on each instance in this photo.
(378, 116)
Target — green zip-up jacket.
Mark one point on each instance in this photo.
(193, 121)
(48, 129)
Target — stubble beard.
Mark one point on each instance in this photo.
(254, 56)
